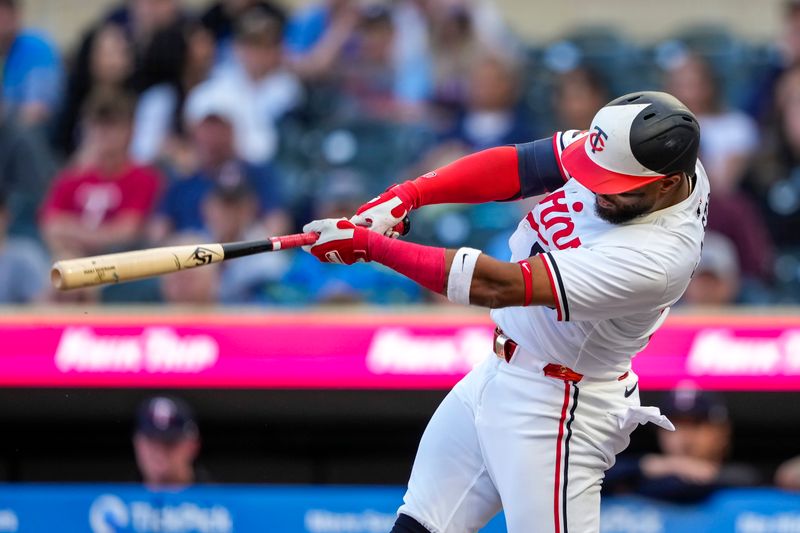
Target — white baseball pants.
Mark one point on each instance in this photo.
(535, 446)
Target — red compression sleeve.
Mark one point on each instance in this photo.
(486, 176)
(423, 264)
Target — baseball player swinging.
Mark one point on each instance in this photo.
(595, 267)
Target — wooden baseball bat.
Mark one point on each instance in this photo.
(127, 266)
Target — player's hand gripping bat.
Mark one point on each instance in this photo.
(138, 264)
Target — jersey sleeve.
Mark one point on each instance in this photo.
(611, 282)
(540, 168)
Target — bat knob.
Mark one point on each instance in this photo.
(403, 227)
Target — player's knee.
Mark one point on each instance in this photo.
(406, 524)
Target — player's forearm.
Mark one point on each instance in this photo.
(486, 176)
(465, 276)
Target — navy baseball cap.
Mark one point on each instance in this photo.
(695, 404)
(165, 419)
(635, 140)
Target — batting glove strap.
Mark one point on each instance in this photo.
(340, 241)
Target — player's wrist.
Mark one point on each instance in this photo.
(408, 193)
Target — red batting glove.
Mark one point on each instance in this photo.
(385, 213)
(340, 241)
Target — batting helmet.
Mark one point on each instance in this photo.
(634, 140)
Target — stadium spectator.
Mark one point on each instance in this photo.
(454, 50)
(32, 71)
(775, 180)
(23, 265)
(716, 278)
(376, 81)
(492, 116)
(730, 137)
(260, 88)
(787, 476)
(166, 442)
(220, 19)
(104, 63)
(101, 201)
(579, 93)
(26, 169)
(154, 30)
(231, 213)
(317, 34)
(211, 116)
(158, 131)
(761, 100)
(692, 463)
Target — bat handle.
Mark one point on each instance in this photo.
(293, 241)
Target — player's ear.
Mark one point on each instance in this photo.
(669, 183)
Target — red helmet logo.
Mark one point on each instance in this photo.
(597, 140)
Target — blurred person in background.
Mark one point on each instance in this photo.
(693, 459)
(760, 102)
(166, 442)
(454, 50)
(211, 116)
(231, 213)
(154, 30)
(26, 169)
(579, 93)
(775, 179)
(376, 81)
(317, 33)
(730, 137)
(492, 116)
(101, 201)
(195, 287)
(221, 16)
(787, 475)
(32, 72)
(105, 63)
(716, 278)
(264, 89)
(158, 132)
(24, 267)
(727, 149)
(307, 280)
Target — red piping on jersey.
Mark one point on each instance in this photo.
(558, 157)
(535, 227)
(552, 286)
(556, 487)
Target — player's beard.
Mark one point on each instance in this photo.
(621, 214)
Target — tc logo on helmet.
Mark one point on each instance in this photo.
(597, 140)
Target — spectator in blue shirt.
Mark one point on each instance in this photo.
(32, 71)
(211, 125)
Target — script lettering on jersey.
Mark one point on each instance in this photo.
(557, 222)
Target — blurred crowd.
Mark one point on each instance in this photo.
(243, 120)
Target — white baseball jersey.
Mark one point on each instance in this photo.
(613, 283)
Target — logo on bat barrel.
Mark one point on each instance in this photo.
(201, 256)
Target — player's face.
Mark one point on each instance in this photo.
(624, 207)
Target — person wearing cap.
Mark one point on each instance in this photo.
(166, 442)
(693, 459)
(595, 267)
(212, 116)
